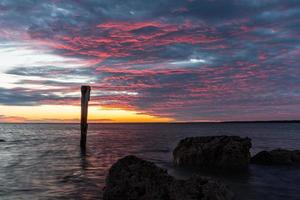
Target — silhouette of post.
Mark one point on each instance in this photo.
(85, 97)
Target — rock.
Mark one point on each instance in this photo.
(221, 152)
(136, 179)
(277, 157)
(1, 140)
(199, 187)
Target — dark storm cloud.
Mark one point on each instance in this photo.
(191, 60)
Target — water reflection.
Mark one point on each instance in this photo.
(83, 161)
(46, 162)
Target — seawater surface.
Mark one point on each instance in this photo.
(44, 161)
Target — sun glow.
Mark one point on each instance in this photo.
(59, 113)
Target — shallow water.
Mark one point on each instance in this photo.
(44, 161)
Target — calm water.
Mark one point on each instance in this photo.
(43, 161)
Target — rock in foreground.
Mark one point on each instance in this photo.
(132, 178)
(277, 157)
(225, 152)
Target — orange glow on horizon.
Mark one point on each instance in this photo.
(59, 113)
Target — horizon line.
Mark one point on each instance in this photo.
(179, 122)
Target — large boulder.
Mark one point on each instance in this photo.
(131, 178)
(221, 152)
(277, 157)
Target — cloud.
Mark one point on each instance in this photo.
(189, 60)
(12, 119)
(22, 96)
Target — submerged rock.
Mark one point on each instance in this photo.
(225, 152)
(136, 179)
(277, 157)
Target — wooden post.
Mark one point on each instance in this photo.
(85, 97)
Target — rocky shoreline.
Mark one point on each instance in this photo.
(277, 157)
(132, 178)
(222, 152)
(136, 179)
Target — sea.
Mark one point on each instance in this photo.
(44, 161)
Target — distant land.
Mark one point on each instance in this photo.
(212, 122)
(271, 121)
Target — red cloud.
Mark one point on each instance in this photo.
(124, 39)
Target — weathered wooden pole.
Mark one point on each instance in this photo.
(85, 97)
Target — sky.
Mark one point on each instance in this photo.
(150, 61)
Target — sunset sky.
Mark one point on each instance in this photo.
(150, 61)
